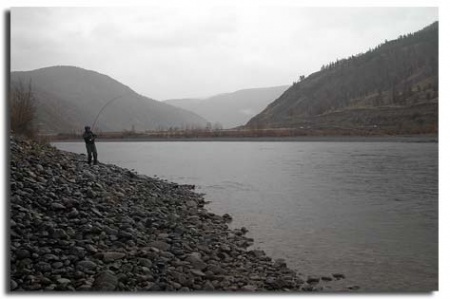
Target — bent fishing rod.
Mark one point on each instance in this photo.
(106, 105)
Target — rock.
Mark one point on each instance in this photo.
(91, 194)
(196, 261)
(225, 248)
(338, 275)
(96, 212)
(112, 256)
(145, 262)
(208, 286)
(249, 288)
(197, 272)
(191, 204)
(312, 279)
(105, 281)
(73, 213)
(326, 278)
(23, 253)
(227, 218)
(110, 231)
(90, 248)
(125, 234)
(64, 281)
(57, 206)
(88, 265)
(215, 269)
(160, 245)
(44, 267)
(57, 265)
(50, 257)
(280, 263)
(13, 285)
(87, 174)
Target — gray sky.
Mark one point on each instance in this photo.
(166, 51)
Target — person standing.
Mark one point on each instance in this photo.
(89, 139)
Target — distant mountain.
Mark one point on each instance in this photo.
(68, 98)
(231, 109)
(393, 88)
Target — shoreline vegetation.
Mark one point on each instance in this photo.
(76, 227)
(177, 136)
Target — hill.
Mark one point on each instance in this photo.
(68, 98)
(231, 109)
(392, 88)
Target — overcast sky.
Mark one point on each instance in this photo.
(178, 51)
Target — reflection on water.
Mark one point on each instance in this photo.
(368, 210)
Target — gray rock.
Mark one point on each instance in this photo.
(50, 257)
(127, 268)
(57, 206)
(160, 245)
(249, 288)
(208, 286)
(326, 278)
(197, 272)
(215, 269)
(338, 275)
(23, 253)
(112, 256)
(63, 281)
(196, 261)
(90, 248)
(105, 281)
(73, 213)
(225, 248)
(312, 279)
(191, 204)
(96, 212)
(125, 234)
(88, 265)
(44, 267)
(145, 262)
(57, 265)
(110, 231)
(13, 285)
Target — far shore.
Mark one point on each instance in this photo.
(432, 138)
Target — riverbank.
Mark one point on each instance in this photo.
(345, 138)
(76, 227)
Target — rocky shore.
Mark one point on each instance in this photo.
(76, 227)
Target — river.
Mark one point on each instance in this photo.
(368, 210)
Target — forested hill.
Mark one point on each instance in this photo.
(68, 98)
(393, 87)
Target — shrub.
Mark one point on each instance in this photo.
(22, 110)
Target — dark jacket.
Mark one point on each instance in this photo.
(89, 137)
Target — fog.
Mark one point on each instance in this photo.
(171, 50)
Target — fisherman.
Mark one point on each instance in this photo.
(89, 139)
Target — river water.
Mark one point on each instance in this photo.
(368, 210)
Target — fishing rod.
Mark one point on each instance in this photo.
(104, 106)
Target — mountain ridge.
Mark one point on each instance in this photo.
(70, 97)
(394, 76)
(231, 109)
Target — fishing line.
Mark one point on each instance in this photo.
(104, 106)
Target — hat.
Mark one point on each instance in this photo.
(87, 128)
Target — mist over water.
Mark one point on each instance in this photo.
(368, 210)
